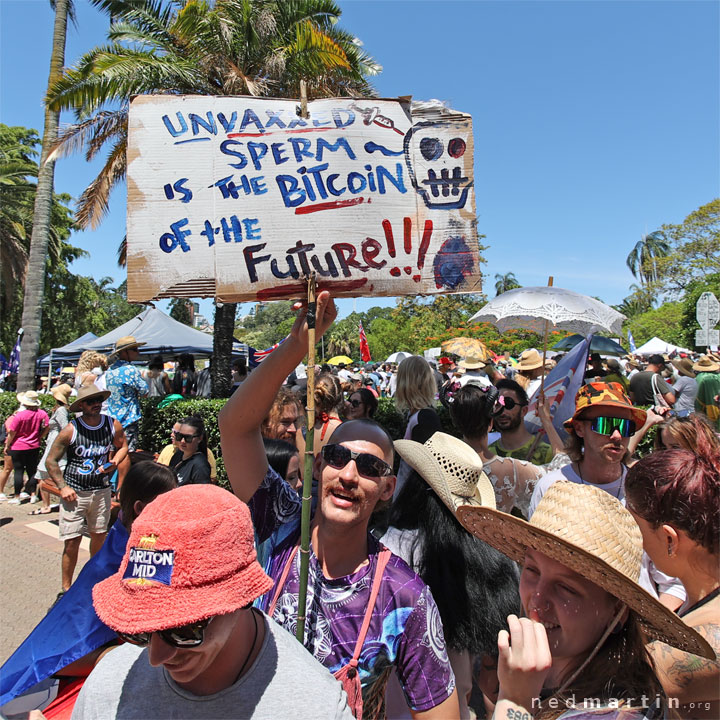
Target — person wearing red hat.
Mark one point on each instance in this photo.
(194, 645)
(369, 613)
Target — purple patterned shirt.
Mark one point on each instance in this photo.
(405, 629)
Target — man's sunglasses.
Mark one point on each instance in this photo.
(182, 436)
(338, 456)
(608, 425)
(508, 403)
(180, 637)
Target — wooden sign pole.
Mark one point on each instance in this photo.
(309, 462)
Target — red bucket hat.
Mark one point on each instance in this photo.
(191, 556)
(609, 395)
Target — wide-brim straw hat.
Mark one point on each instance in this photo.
(87, 392)
(29, 398)
(593, 534)
(705, 364)
(472, 363)
(128, 342)
(684, 366)
(451, 468)
(61, 393)
(529, 360)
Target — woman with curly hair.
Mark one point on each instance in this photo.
(328, 403)
(90, 370)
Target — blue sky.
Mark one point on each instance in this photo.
(594, 122)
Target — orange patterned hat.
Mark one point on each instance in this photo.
(609, 395)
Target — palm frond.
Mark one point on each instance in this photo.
(93, 204)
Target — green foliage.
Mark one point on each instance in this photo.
(180, 310)
(9, 404)
(505, 282)
(664, 322)
(269, 323)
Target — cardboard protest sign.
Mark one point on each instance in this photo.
(239, 198)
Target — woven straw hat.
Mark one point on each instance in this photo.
(530, 360)
(590, 532)
(705, 364)
(472, 363)
(684, 366)
(128, 342)
(87, 392)
(61, 393)
(28, 399)
(451, 468)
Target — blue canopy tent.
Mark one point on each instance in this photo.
(67, 353)
(162, 335)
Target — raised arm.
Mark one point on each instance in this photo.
(241, 417)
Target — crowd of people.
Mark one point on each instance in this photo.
(491, 572)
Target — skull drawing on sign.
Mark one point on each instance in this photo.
(435, 154)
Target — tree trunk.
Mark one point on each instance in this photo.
(222, 349)
(35, 283)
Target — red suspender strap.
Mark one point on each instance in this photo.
(383, 558)
(281, 581)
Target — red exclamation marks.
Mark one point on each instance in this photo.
(424, 245)
(395, 271)
(387, 227)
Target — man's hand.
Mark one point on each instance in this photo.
(524, 661)
(325, 315)
(68, 494)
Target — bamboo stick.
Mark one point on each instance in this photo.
(309, 461)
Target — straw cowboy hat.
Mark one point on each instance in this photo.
(471, 363)
(684, 366)
(530, 360)
(89, 391)
(128, 342)
(589, 531)
(28, 399)
(61, 393)
(451, 468)
(705, 364)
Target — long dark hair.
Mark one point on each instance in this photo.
(474, 585)
(197, 423)
(145, 481)
(278, 454)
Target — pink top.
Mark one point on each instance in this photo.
(27, 426)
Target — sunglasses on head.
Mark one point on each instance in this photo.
(185, 636)
(183, 436)
(608, 425)
(338, 456)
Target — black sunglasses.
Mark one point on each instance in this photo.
(182, 436)
(338, 456)
(355, 403)
(180, 637)
(508, 403)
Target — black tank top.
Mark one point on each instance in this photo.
(87, 453)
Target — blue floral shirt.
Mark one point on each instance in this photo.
(126, 385)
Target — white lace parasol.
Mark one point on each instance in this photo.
(528, 308)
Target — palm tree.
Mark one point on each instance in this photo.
(35, 283)
(233, 47)
(505, 282)
(642, 260)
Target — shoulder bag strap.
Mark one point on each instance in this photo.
(281, 581)
(383, 558)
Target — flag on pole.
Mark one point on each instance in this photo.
(255, 357)
(561, 386)
(364, 347)
(631, 341)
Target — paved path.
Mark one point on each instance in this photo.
(30, 553)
